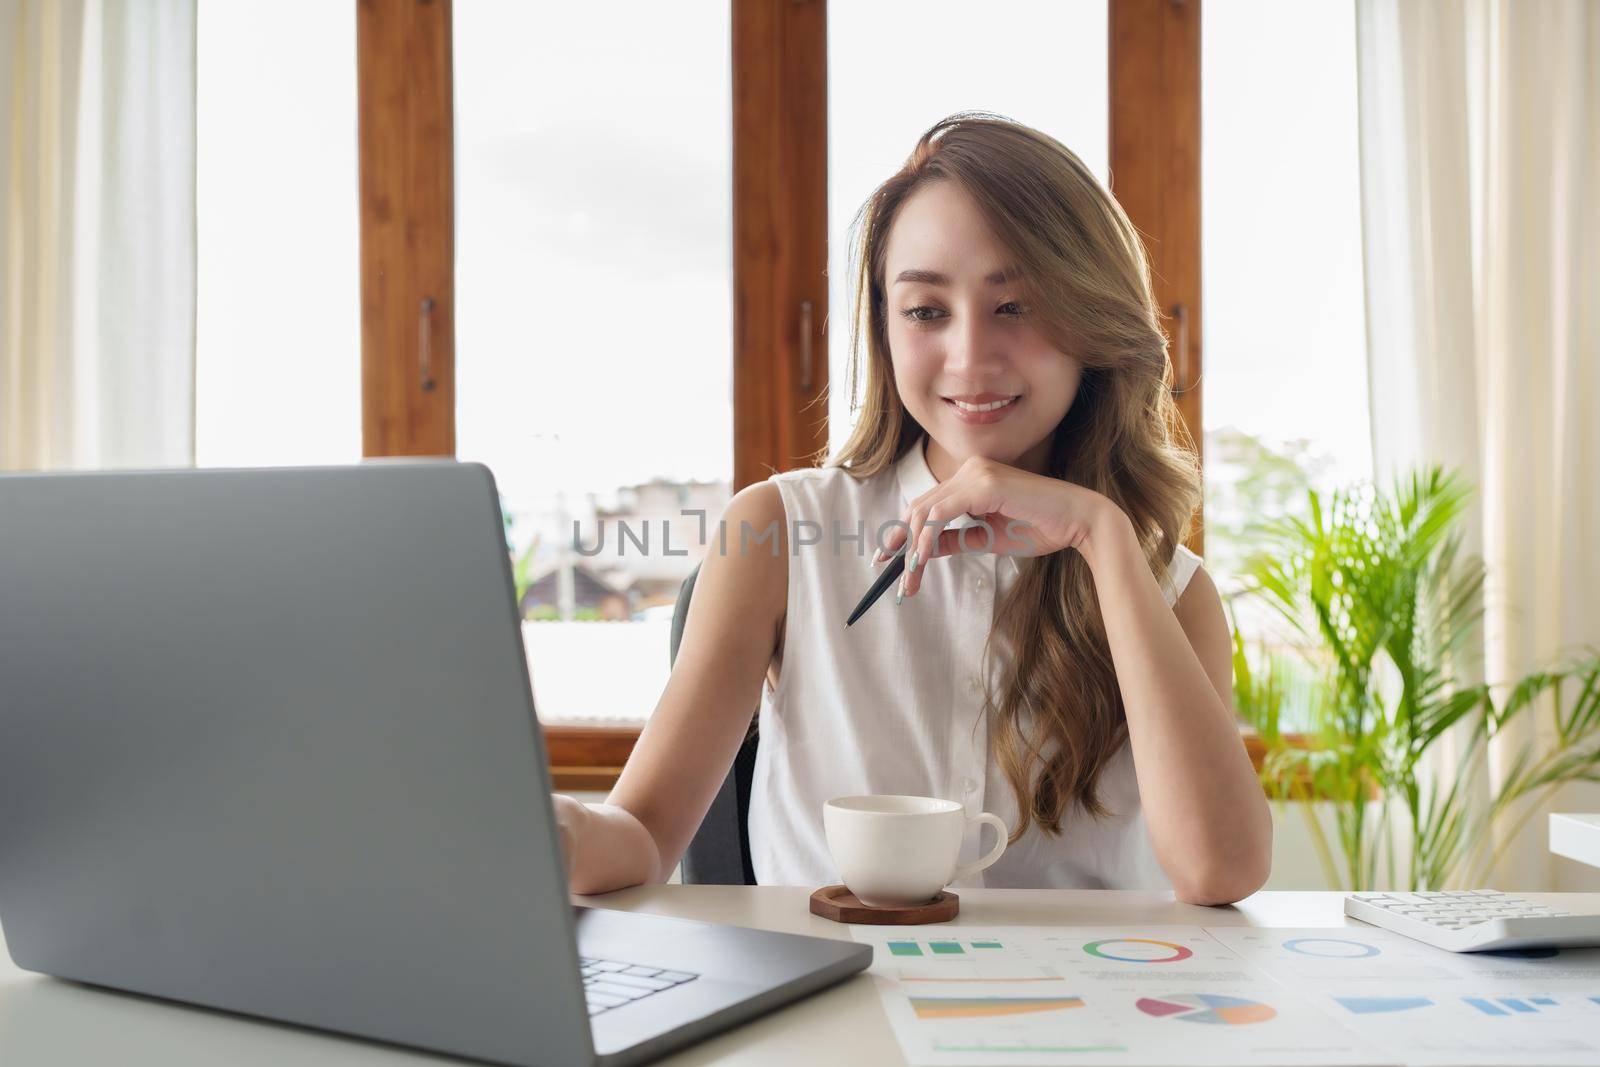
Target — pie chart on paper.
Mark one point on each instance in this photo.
(1210, 1008)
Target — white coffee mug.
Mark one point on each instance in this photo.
(898, 851)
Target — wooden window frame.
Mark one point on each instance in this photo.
(780, 227)
(780, 235)
(780, 168)
(1154, 75)
(780, 249)
(405, 115)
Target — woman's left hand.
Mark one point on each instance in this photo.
(1029, 515)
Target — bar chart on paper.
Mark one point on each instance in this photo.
(988, 1007)
(983, 960)
(985, 999)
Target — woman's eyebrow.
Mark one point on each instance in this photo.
(933, 277)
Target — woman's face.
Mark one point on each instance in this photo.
(970, 366)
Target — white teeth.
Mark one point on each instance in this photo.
(964, 406)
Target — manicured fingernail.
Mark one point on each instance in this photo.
(913, 564)
(901, 593)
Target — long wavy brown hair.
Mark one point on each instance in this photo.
(1087, 282)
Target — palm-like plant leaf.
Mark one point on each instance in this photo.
(1388, 612)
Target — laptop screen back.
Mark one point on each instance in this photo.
(269, 746)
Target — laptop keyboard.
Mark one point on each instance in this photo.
(610, 984)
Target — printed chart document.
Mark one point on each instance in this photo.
(1073, 995)
(1030, 995)
(1428, 1006)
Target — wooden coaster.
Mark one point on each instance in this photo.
(839, 904)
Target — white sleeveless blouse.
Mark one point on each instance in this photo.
(894, 703)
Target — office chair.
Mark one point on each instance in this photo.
(719, 852)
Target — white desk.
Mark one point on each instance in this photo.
(1576, 837)
(48, 1023)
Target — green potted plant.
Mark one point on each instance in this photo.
(1383, 608)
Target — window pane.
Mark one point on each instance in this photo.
(894, 69)
(1285, 341)
(594, 318)
(278, 319)
(1285, 334)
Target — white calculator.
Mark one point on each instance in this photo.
(1474, 920)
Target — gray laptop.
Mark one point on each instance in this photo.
(267, 744)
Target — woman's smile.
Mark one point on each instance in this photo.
(982, 408)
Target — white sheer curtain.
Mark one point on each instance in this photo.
(97, 233)
(1480, 141)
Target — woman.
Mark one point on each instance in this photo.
(1066, 666)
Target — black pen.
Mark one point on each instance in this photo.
(885, 580)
